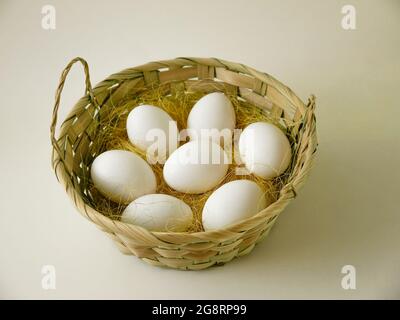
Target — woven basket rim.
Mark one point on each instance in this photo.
(268, 212)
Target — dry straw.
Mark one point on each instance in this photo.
(97, 123)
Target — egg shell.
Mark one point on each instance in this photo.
(158, 212)
(265, 150)
(215, 112)
(232, 202)
(122, 176)
(144, 118)
(196, 167)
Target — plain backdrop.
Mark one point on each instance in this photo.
(346, 214)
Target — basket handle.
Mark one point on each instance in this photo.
(311, 102)
(88, 92)
(309, 117)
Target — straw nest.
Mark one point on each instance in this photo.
(98, 123)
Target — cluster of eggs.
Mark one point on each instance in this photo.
(194, 167)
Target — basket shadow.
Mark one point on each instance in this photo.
(317, 224)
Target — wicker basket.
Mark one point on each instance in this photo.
(72, 154)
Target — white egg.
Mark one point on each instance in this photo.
(150, 126)
(265, 150)
(122, 176)
(232, 202)
(196, 167)
(212, 116)
(158, 212)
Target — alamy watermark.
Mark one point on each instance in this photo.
(162, 144)
(48, 277)
(349, 280)
(48, 21)
(348, 21)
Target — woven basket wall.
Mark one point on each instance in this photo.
(72, 154)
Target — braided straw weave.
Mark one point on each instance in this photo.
(72, 154)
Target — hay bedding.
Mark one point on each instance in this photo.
(178, 106)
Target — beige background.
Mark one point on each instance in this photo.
(348, 212)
